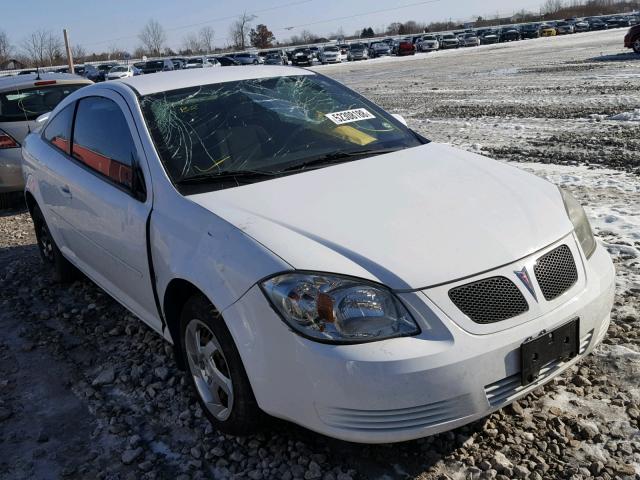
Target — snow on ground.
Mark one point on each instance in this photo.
(612, 200)
(547, 100)
(546, 104)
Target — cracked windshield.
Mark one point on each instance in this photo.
(226, 134)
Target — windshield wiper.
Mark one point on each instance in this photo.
(337, 157)
(244, 176)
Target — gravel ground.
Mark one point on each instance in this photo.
(88, 391)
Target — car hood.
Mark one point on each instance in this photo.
(409, 219)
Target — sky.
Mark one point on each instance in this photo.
(99, 25)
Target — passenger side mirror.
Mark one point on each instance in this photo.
(400, 118)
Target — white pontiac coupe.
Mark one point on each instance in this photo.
(311, 257)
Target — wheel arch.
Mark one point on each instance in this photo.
(176, 294)
(30, 201)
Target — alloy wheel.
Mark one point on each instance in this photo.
(636, 45)
(209, 369)
(45, 242)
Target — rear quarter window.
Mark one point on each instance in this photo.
(29, 103)
(58, 130)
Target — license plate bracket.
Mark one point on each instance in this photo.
(559, 344)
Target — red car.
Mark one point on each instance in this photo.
(405, 47)
(632, 39)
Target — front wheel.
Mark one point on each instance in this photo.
(636, 45)
(216, 371)
(63, 270)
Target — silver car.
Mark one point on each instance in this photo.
(23, 98)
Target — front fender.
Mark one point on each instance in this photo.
(195, 245)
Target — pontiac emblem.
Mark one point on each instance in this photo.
(524, 277)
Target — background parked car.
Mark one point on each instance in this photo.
(279, 52)
(428, 43)
(343, 50)
(154, 66)
(564, 28)
(357, 51)
(178, 63)
(510, 34)
(122, 71)
(490, 37)
(199, 62)
(329, 54)
(275, 59)
(548, 31)
(404, 47)
(103, 69)
(581, 26)
(470, 40)
(246, 58)
(596, 23)
(632, 39)
(531, 30)
(379, 49)
(92, 73)
(226, 61)
(449, 40)
(23, 98)
(301, 56)
(314, 52)
(619, 22)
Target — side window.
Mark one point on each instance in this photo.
(102, 140)
(58, 131)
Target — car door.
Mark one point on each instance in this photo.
(108, 202)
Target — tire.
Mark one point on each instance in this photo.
(63, 271)
(215, 370)
(636, 45)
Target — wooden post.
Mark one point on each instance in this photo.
(68, 47)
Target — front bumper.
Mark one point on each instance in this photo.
(11, 179)
(406, 388)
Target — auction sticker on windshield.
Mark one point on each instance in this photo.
(348, 116)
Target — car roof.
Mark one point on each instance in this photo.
(174, 80)
(27, 81)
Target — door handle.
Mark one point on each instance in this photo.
(65, 191)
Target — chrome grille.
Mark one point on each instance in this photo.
(489, 300)
(556, 272)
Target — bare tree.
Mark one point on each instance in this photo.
(139, 52)
(207, 34)
(5, 47)
(153, 37)
(239, 30)
(78, 53)
(307, 37)
(53, 48)
(552, 6)
(191, 44)
(35, 47)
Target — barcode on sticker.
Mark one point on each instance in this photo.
(348, 116)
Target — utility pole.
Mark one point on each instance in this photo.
(68, 47)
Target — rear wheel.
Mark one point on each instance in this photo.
(216, 371)
(63, 270)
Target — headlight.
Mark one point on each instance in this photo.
(580, 223)
(337, 309)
